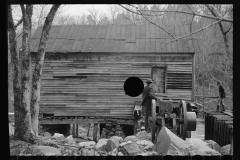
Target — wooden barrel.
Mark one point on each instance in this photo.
(218, 127)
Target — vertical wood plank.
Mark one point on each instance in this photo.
(95, 130)
(54, 32)
(153, 45)
(73, 131)
(142, 46)
(133, 34)
(147, 46)
(79, 33)
(123, 30)
(77, 130)
(100, 45)
(157, 32)
(89, 31)
(94, 30)
(70, 32)
(138, 32)
(193, 78)
(128, 33)
(148, 31)
(121, 46)
(59, 44)
(169, 46)
(112, 34)
(143, 31)
(137, 46)
(109, 30)
(99, 31)
(118, 32)
(152, 31)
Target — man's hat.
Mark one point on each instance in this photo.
(149, 81)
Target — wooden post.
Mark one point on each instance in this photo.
(193, 78)
(76, 130)
(203, 100)
(135, 126)
(231, 149)
(73, 130)
(95, 130)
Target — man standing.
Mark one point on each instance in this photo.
(147, 97)
(221, 96)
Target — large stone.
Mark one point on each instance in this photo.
(47, 134)
(101, 143)
(145, 144)
(213, 145)
(199, 147)
(69, 139)
(119, 139)
(143, 135)
(225, 149)
(88, 144)
(170, 144)
(111, 144)
(132, 149)
(129, 138)
(45, 151)
(87, 152)
(59, 136)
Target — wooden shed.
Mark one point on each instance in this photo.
(86, 65)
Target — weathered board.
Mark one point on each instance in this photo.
(218, 127)
(92, 84)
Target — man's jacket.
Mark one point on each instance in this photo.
(222, 92)
(147, 97)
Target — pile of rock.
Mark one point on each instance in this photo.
(140, 144)
(112, 129)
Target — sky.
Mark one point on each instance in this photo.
(80, 9)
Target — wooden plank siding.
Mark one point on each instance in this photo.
(86, 66)
(92, 84)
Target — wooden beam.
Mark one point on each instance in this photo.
(82, 121)
(193, 78)
(95, 129)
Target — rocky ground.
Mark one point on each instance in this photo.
(140, 144)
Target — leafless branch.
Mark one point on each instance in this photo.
(18, 23)
(190, 33)
(228, 29)
(201, 15)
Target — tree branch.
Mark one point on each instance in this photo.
(191, 33)
(201, 15)
(18, 23)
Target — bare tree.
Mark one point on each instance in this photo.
(36, 81)
(93, 16)
(24, 130)
(114, 10)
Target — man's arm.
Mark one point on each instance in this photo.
(151, 94)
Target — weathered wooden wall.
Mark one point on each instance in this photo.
(91, 84)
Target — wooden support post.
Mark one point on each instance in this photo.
(203, 100)
(95, 130)
(76, 130)
(73, 130)
(135, 126)
(231, 149)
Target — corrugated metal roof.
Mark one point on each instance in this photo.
(146, 38)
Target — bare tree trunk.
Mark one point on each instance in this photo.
(36, 81)
(10, 81)
(16, 79)
(26, 131)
